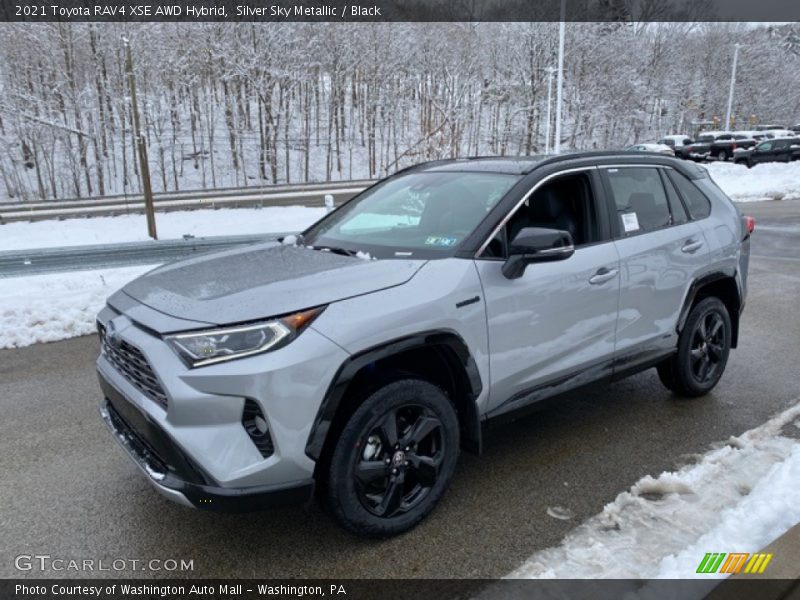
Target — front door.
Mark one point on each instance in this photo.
(553, 327)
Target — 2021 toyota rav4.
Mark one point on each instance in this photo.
(357, 360)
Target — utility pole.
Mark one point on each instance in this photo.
(550, 71)
(733, 83)
(141, 147)
(560, 86)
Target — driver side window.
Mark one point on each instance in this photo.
(565, 203)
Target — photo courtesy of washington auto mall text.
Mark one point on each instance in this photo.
(398, 299)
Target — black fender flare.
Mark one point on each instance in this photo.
(354, 364)
(697, 285)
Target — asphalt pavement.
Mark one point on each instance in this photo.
(68, 491)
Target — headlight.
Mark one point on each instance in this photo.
(218, 345)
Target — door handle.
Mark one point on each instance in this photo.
(691, 246)
(603, 275)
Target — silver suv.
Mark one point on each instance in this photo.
(358, 358)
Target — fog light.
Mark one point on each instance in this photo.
(261, 425)
(255, 424)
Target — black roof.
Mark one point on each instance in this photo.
(522, 165)
(513, 165)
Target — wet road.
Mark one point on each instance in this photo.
(67, 489)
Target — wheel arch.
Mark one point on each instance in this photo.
(438, 355)
(722, 285)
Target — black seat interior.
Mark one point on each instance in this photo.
(549, 209)
(648, 213)
(565, 204)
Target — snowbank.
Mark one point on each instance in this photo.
(171, 225)
(47, 308)
(768, 181)
(736, 498)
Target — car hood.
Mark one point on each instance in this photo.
(261, 281)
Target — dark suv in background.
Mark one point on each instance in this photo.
(777, 150)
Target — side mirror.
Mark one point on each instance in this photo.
(536, 244)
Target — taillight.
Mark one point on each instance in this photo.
(749, 225)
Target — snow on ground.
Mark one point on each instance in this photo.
(736, 498)
(767, 181)
(170, 225)
(46, 308)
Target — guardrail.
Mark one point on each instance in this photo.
(79, 258)
(311, 194)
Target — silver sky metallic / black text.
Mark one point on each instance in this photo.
(301, 11)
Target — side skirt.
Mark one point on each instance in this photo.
(538, 398)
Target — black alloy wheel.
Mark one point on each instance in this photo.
(400, 461)
(702, 353)
(708, 347)
(394, 458)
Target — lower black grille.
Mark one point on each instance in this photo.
(255, 424)
(133, 365)
(132, 440)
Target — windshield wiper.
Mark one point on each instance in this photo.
(336, 250)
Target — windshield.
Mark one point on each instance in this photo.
(419, 215)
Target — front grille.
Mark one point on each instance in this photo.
(133, 365)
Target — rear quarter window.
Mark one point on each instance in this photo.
(698, 205)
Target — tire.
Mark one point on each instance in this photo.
(703, 349)
(374, 498)
(722, 155)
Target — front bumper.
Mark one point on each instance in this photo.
(198, 445)
(174, 475)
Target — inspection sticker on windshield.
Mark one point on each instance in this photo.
(630, 222)
(437, 240)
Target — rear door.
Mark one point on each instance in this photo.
(781, 150)
(660, 251)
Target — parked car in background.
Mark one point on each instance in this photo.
(719, 145)
(773, 134)
(767, 127)
(658, 148)
(751, 134)
(796, 128)
(777, 150)
(680, 144)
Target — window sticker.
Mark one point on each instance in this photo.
(630, 222)
(440, 240)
